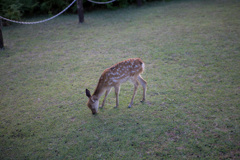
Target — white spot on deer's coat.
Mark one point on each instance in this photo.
(114, 80)
(115, 73)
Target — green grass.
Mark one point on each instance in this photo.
(191, 50)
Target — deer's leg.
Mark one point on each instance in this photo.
(106, 94)
(135, 82)
(117, 90)
(144, 85)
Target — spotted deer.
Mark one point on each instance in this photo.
(114, 76)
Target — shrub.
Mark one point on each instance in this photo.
(11, 9)
(15, 9)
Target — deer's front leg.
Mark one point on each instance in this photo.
(106, 94)
(117, 90)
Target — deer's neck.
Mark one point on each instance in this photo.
(99, 90)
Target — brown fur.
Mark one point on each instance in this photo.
(121, 72)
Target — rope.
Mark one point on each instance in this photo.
(101, 2)
(41, 20)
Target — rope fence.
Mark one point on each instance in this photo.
(101, 2)
(41, 20)
(80, 14)
(19, 22)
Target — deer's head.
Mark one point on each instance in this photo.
(93, 102)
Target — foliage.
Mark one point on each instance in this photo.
(15, 9)
(29, 6)
(52, 6)
(11, 9)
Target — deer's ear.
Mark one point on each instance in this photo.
(88, 94)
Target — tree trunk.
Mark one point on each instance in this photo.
(80, 11)
(1, 36)
(139, 3)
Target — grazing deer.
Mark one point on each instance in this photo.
(114, 76)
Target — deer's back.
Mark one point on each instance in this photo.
(121, 72)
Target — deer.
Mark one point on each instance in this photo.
(113, 77)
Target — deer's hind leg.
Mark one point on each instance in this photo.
(144, 85)
(136, 84)
(117, 90)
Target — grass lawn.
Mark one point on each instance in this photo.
(191, 51)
